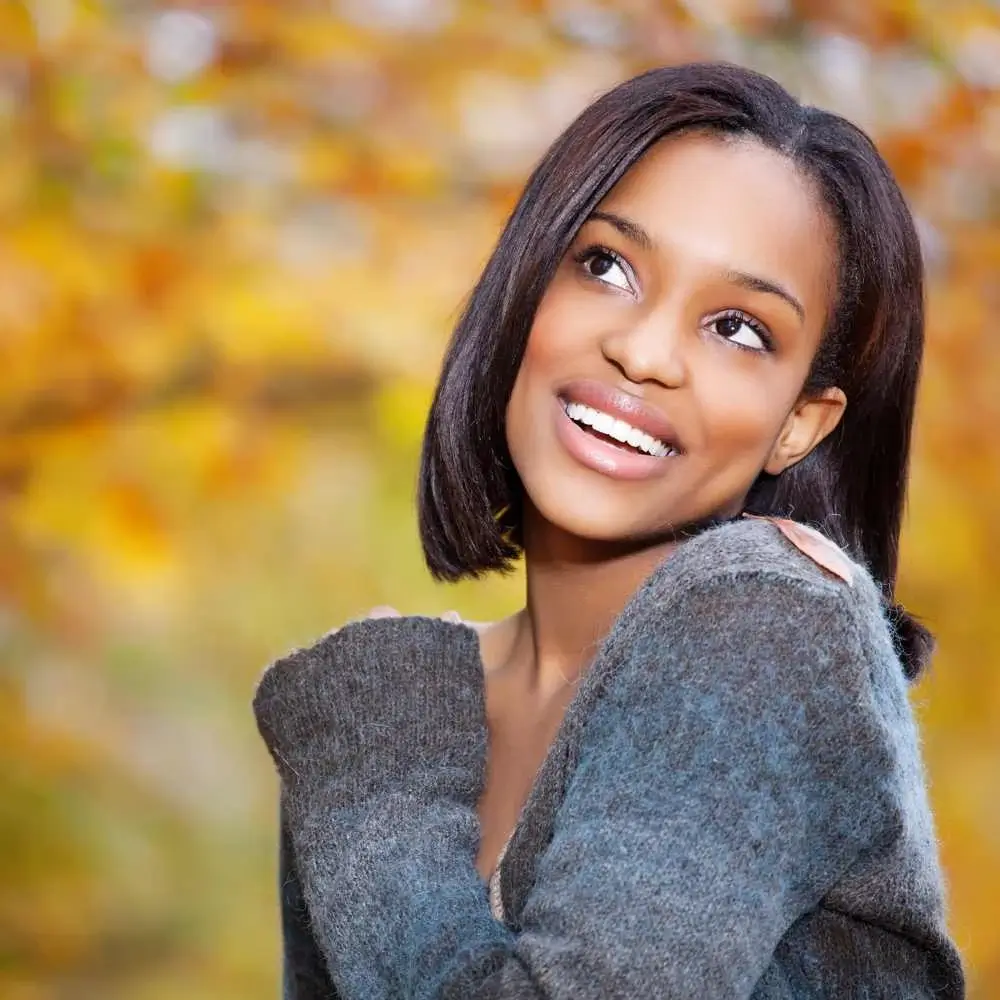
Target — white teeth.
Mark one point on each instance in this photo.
(618, 429)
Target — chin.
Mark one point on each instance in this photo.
(595, 510)
(591, 514)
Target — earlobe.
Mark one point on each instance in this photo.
(812, 419)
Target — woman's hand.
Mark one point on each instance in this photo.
(385, 611)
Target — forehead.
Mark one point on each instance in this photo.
(731, 203)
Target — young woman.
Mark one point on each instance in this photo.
(688, 767)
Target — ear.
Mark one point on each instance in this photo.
(809, 422)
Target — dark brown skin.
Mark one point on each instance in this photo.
(661, 328)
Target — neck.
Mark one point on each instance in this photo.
(575, 589)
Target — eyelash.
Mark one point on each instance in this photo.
(596, 249)
(755, 324)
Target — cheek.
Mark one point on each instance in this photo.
(559, 330)
(553, 344)
(530, 373)
(742, 417)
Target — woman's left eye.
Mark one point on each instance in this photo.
(743, 330)
(606, 266)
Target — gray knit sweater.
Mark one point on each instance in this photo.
(734, 805)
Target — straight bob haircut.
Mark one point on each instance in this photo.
(852, 485)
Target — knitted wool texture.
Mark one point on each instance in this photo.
(734, 805)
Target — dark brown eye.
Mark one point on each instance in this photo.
(728, 326)
(742, 330)
(600, 263)
(607, 267)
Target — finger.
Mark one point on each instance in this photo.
(452, 616)
(383, 611)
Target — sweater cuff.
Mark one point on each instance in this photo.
(379, 705)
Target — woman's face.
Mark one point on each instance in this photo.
(688, 309)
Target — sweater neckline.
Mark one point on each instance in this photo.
(559, 758)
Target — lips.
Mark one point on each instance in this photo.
(624, 406)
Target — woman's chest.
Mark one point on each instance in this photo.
(520, 736)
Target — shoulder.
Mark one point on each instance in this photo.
(756, 577)
(771, 546)
(750, 619)
(767, 554)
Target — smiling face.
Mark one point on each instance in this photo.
(688, 308)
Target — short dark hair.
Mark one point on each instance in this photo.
(852, 485)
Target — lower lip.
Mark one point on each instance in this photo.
(601, 456)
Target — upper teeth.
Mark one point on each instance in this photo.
(617, 429)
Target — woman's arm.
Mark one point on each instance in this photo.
(734, 769)
(304, 974)
(304, 971)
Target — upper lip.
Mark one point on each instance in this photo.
(634, 411)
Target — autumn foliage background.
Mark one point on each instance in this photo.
(234, 238)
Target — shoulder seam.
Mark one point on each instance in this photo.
(791, 573)
(818, 585)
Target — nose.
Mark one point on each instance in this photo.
(650, 348)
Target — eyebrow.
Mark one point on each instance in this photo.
(752, 282)
(629, 229)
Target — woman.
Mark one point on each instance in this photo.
(688, 767)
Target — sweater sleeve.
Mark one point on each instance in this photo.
(735, 767)
(304, 975)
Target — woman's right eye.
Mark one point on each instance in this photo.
(606, 266)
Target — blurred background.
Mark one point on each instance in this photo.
(233, 239)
